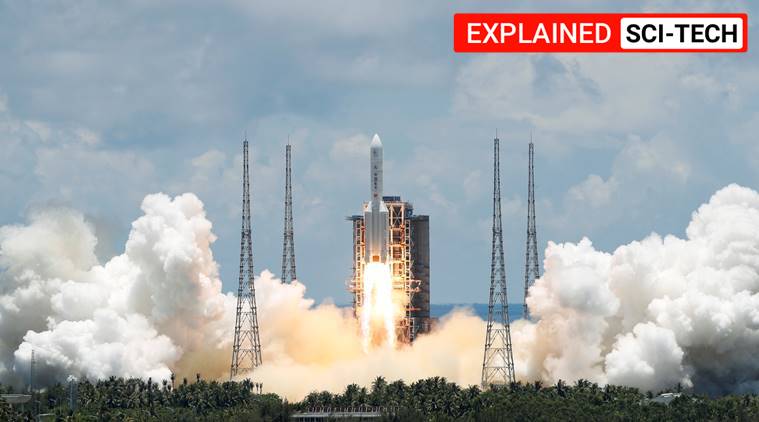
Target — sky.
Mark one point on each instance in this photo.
(104, 103)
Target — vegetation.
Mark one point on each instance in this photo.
(438, 400)
(118, 399)
(434, 399)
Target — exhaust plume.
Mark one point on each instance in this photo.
(378, 313)
(655, 312)
(322, 346)
(652, 314)
(158, 308)
(154, 309)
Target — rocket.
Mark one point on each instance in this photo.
(375, 211)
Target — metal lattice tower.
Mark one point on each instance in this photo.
(288, 244)
(498, 362)
(31, 373)
(531, 262)
(246, 350)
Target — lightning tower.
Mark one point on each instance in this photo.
(31, 373)
(498, 362)
(288, 244)
(246, 349)
(531, 264)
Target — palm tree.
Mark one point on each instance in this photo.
(378, 395)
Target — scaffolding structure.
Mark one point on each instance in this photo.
(409, 260)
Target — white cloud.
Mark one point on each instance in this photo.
(87, 136)
(67, 172)
(350, 149)
(573, 97)
(110, 89)
(655, 312)
(746, 134)
(474, 184)
(642, 174)
(594, 190)
(206, 166)
(158, 306)
(653, 159)
(40, 128)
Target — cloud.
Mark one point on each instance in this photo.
(66, 171)
(206, 166)
(744, 134)
(350, 149)
(655, 158)
(578, 95)
(594, 191)
(156, 308)
(655, 312)
(642, 174)
(137, 91)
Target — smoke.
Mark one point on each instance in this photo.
(652, 314)
(155, 308)
(158, 308)
(307, 348)
(656, 312)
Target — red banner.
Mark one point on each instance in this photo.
(599, 33)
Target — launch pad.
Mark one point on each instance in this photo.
(409, 245)
(401, 239)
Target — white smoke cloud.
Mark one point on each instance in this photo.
(158, 308)
(319, 348)
(656, 312)
(153, 309)
(652, 314)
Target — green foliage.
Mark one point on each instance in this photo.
(6, 411)
(435, 399)
(118, 399)
(432, 399)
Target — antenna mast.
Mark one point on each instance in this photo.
(532, 264)
(498, 362)
(246, 350)
(31, 373)
(288, 244)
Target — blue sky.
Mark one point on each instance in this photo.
(101, 104)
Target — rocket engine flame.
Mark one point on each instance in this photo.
(378, 312)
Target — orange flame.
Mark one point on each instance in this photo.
(378, 311)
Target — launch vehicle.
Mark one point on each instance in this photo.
(391, 268)
(375, 211)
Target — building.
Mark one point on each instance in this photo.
(357, 413)
(409, 254)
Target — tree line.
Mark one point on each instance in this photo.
(433, 399)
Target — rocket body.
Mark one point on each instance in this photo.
(375, 211)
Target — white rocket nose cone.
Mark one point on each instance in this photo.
(376, 141)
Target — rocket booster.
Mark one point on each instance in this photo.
(375, 211)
